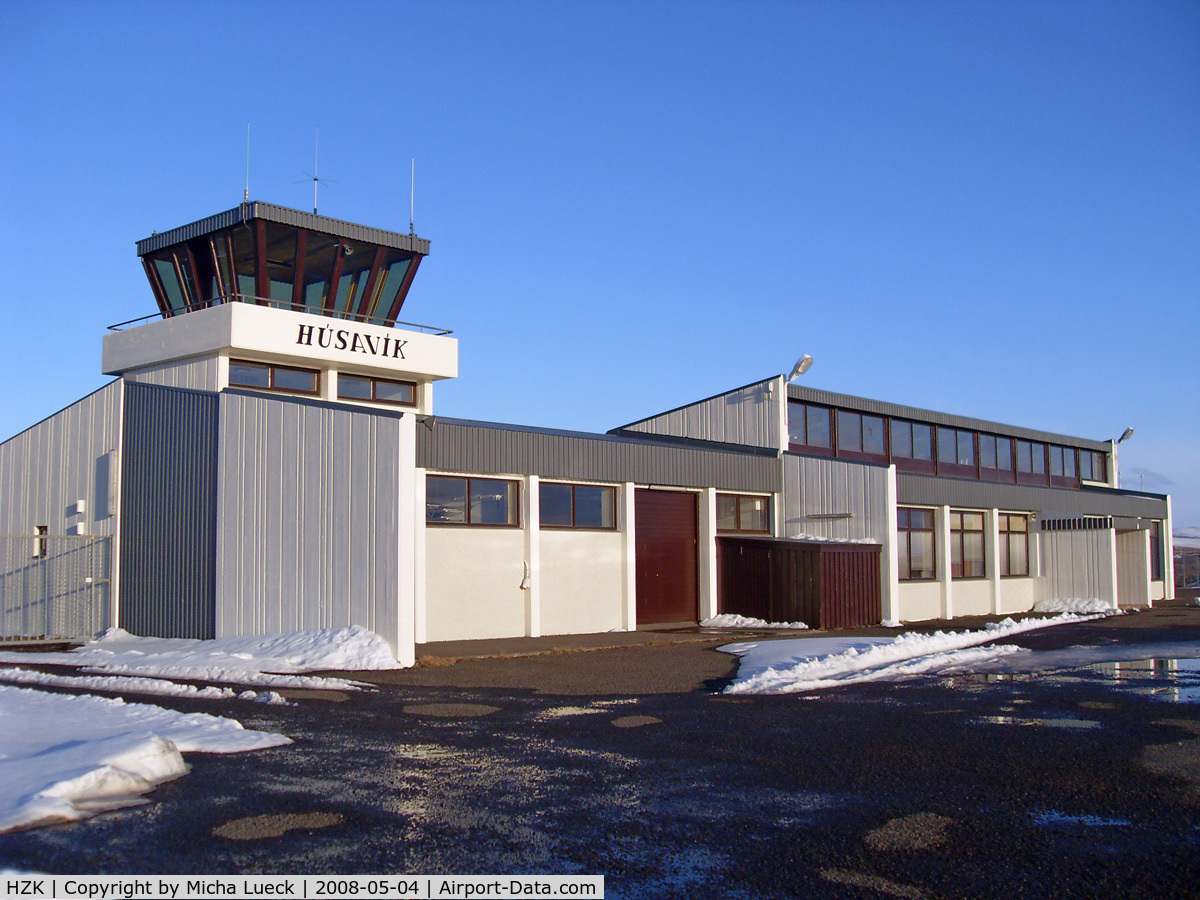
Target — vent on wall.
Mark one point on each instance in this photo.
(1081, 523)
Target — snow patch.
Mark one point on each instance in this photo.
(732, 620)
(64, 758)
(783, 667)
(1075, 605)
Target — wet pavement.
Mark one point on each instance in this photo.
(626, 762)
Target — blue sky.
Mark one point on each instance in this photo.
(986, 208)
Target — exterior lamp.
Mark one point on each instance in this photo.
(803, 364)
(1125, 435)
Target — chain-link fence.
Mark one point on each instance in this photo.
(54, 586)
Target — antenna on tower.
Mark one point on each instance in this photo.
(246, 196)
(313, 177)
(412, 197)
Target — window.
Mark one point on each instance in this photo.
(377, 390)
(1031, 458)
(1156, 552)
(912, 445)
(736, 512)
(1062, 462)
(955, 449)
(274, 378)
(453, 500)
(859, 434)
(915, 527)
(1014, 545)
(1092, 466)
(40, 542)
(995, 452)
(577, 506)
(966, 544)
(809, 426)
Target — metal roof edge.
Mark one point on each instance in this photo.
(257, 209)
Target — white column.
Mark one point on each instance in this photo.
(942, 540)
(779, 396)
(889, 564)
(1110, 571)
(991, 555)
(708, 553)
(406, 559)
(329, 384)
(628, 559)
(533, 557)
(1144, 553)
(420, 633)
(1168, 552)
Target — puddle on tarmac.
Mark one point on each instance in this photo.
(1073, 724)
(1052, 818)
(1175, 680)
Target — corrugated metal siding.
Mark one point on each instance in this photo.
(486, 449)
(65, 458)
(880, 408)
(747, 416)
(168, 506)
(308, 516)
(1133, 574)
(282, 214)
(817, 489)
(932, 491)
(198, 374)
(1077, 564)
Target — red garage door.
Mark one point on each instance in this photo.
(665, 548)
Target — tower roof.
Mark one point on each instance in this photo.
(274, 256)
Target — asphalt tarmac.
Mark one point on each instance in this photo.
(629, 763)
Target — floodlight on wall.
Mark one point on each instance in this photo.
(1125, 435)
(803, 364)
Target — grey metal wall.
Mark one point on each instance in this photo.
(458, 446)
(308, 530)
(198, 374)
(1077, 565)
(933, 491)
(834, 500)
(46, 469)
(748, 416)
(168, 506)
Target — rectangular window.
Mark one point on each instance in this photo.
(916, 548)
(1091, 466)
(577, 506)
(1031, 458)
(274, 378)
(737, 512)
(966, 544)
(956, 451)
(377, 390)
(859, 434)
(809, 426)
(1014, 545)
(995, 453)
(454, 500)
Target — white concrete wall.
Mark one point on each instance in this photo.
(473, 582)
(919, 600)
(1017, 595)
(580, 581)
(973, 597)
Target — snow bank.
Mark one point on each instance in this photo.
(264, 660)
(124, 684)
(1090, 605)
(783, 667)
(64, 758)
(732, 620)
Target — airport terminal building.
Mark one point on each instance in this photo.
(268, 458)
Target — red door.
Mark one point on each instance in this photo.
(665, 526)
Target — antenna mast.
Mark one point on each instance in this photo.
(246, 196)
(314, 178)
(412, 197)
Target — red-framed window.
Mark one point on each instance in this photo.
(1062, 466)
(1014, 545)
(956, 452)
(744, 513)
(917, 552)
(457, 500)
(1093, 466)
(1031, 463)
(912, 446)
(577, 506)
(966, 544)
(376, 390)
(267, 377)
(810, 428)
(996, 458)
(1156, 551)
(861, 436)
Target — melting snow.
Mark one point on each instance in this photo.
(732, 620)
